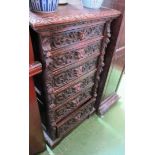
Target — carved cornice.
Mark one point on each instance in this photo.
(39, 21)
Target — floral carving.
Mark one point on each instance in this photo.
(57, 31)
(72, 122)
(55, 78)
(70, 37)
(72, 56)
(72, 105)
(106, 40)
(38, 22)
(65, 77)
(71, 91)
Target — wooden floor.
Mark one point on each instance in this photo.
(97, 136)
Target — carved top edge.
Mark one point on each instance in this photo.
(69, 14)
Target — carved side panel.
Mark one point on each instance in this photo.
(105, 42)
(83, 112)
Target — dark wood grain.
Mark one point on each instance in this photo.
(66, 45)
(35, 68)
(36, 140)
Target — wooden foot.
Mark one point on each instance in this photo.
(107, 104)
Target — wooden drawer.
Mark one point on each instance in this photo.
(69, 107)
(62, 58)
(62, 39)
(63, 77)
(73, 120)
(74, 89)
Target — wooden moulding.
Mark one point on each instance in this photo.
(35, 69)
(73, 14)
(108, 103)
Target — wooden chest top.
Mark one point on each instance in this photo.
(69, 14)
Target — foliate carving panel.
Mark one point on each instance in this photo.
(83, 112)
(72, 105)
(106, 40)
(60, 60)
(69, 37)
(73, 90)
(41, 21)
(73, 73)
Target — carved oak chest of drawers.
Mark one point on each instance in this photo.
(71, 44)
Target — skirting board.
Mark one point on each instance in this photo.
(107, 104)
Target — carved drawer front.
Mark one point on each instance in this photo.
(72, 121)
(59, 40)
(66, 76)
(71, 91)
(65, 58)
(72, 105)
(60, 79)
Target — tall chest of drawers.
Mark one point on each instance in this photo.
(71, 46)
